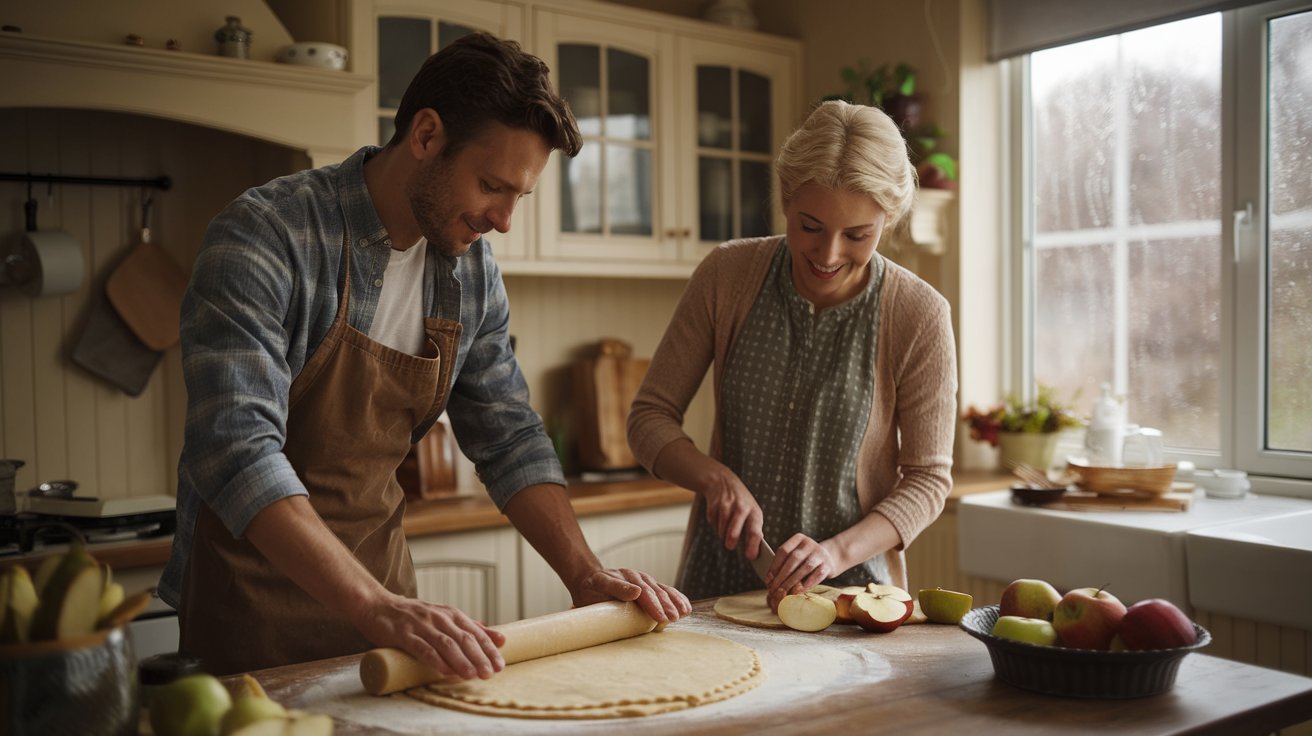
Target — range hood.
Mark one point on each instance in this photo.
(322, 112)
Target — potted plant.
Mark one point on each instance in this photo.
(893, 90)
(1025, 432)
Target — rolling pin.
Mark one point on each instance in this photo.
(385, 671)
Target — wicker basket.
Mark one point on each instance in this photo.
(1119, 481)
(1079, 673)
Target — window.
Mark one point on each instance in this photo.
(1143, 264)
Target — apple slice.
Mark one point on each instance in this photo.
(944, 606)
(896, 592)
(843, 603)
(883, 611)
(807, 611)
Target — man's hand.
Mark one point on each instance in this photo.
(442, 637)
(662, 602)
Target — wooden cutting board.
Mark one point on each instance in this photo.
(146, 290)
(1085, 501)
(604, 387)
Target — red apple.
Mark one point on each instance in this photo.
(1087, 618)
(1029, 598)
(843, 603)
(881, 608)
(1156, 624)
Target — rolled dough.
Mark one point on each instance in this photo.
(649, 674)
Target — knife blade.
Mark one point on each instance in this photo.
(764, 558)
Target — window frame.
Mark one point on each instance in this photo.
(1243, 294)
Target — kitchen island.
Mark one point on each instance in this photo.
(927, 678)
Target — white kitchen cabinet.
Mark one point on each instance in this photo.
(648, 539)
(475, 571)
(681, 120)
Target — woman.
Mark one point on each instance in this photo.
(835, 379)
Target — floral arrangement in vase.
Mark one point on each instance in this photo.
(1026, 431)
(1044, 414)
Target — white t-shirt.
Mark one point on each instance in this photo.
(399, 320)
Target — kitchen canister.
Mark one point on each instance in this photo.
(234, 39)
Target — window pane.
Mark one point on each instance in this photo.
(1073, 135)
(403, 45)
(580, 191)
(1175, 340)
(1289, 245)
(1174, 95)
(715, 195)
(714, 107)
(1127, 233)
(754, 112)
(629, 90)
(1073, 319)
(580, 84)
(755, 208)
(628, 189)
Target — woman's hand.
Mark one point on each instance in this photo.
(442, 637)
(664, 603)
(799, 565)
(733, 513)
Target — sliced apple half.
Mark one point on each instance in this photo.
(882, 608)
(807, 611)
(843, 603)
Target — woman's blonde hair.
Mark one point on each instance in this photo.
(853, 148)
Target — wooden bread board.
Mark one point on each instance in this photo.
(1085, 501)
(604, 387)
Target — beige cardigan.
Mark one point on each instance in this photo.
(914, 395)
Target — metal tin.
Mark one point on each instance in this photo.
(234, 39)
(90, 691)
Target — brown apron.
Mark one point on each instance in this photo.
(350, 416)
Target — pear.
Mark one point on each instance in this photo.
(18, 594)
(249, 710)
(301, 723)
(110, 599)
(70, 601)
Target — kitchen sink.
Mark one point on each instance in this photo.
(1137, 554)
(1256, 569)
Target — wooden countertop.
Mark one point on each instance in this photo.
(445, 516)
(927, 679)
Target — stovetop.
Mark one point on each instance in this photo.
(22, 533)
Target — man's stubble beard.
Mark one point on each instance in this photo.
(431, 202)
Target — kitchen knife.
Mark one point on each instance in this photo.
(764, 558)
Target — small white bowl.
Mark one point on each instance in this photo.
(314, 53)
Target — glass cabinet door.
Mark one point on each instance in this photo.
(607, 188)
(734, 139)
(404, 44)
(603, 204)
(738, 113)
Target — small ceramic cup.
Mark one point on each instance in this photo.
(1223, 483)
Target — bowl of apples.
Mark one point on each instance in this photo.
(1085, 644)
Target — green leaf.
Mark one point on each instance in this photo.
(944, 163)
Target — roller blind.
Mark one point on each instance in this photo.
(1023, 26)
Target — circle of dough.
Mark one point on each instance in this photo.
(752, 609)
(639, 676)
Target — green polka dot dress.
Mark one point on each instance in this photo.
(795, 399)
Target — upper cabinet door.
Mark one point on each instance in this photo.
(604, 205)
(405, 35)
(738, 108)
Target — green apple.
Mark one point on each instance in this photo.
(1023, 629)
(189, 706)
(248, 710)
(1029, 598)
(944, 606)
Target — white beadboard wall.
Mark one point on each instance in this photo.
(66, 423)
(61, 420)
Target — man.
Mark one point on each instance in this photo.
(332, 315)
